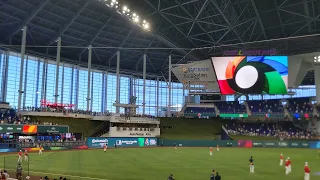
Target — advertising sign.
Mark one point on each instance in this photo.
(197, 73)
(12, 128)
(30, 129)
(270, 144)
(53, 129)
(314, 145)
(234, 115)
(96, 142)
(257, 144)
(299, 144)
(121, 142)
(252, 52)
(245, 143)
(283, 144)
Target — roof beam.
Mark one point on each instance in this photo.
(178, 29)
(33, 13)
(94, 37)
(123, 42)
(185, 3)
(281, 23)
(226, 20)
(259, 19)
(66, 26)
(196, 18)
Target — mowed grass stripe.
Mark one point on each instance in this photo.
(184, 163)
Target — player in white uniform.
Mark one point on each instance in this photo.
(26, 155)
(105, 147)
(40, 149)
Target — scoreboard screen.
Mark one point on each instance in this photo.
(210, 97)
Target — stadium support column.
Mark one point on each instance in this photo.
(106, 93)
(76, 99)
(4, 67)
(317, 82)
(89, 77)
(36, 102)
(169, 89)
(158, 89)
(25, 83)
(118, 82)
(56, 94)
(23, 50)
(62, 84)
(144, 83)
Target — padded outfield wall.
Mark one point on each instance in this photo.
(242, 143)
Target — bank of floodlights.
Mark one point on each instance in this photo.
(316, 59)
(125, 11)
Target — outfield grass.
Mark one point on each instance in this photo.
(158, 163)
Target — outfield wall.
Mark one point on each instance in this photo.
(242, 143)
(98, 142)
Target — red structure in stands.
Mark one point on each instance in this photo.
(47, 103)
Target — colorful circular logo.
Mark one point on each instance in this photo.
(255, 75)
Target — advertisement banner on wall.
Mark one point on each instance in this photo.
(121, 142)
(270, 144)
(314, 145)
(53, 129)
(197, 73)
(12, 128)
(283, 144)
(30, 129)
(257, 144)
(245, 143)
(299, 144)
(96, 142)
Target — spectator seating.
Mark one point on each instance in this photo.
(199, 110)
(231, 107)
(283, 130)
(265, 107)
(300, 106)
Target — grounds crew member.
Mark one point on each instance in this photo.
(19, 171)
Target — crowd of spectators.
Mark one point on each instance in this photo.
(284, 131)
(200, 110)
(299, 105)
(228, 107)
(265, 107)
(137, 115)
(66, 111)
(295, 107)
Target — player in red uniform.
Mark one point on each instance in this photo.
(306, 172)
(26, 155)
(19, 156)
(281, 160)
(210, 151)
(105, 147)
(217, 147)
(287, 167)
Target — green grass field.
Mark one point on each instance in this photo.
(158, 163)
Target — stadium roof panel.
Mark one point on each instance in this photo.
(218, 25)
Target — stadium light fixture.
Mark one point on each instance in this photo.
(125, 11)
(316, 59)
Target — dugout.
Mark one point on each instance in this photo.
(17, 136)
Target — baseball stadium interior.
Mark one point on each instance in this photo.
(156, 89)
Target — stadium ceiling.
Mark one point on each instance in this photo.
(183, 27)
